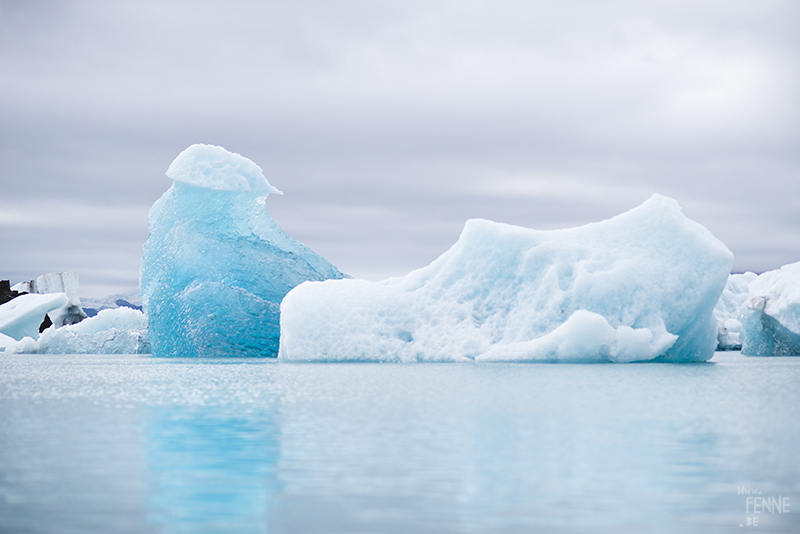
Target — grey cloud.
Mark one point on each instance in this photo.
(388, 124)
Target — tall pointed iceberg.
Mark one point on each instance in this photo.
(215, 266)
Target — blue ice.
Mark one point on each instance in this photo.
(215, 266)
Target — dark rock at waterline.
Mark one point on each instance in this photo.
(6, 293)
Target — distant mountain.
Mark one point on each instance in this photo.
(120, 300)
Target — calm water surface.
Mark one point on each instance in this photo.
(138, 444)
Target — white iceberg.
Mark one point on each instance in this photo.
(215, 266)
(771, 315)
(22, 316)
(639, 286)
(117, 331)
(67, 283)
(728, 311)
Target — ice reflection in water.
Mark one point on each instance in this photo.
(136, 444)
(210, 470)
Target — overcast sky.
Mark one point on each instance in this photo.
(388, 124)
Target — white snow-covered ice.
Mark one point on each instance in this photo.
(215, 266)
(771, 314)
(117, 331)
(639, 286)
(22, 316)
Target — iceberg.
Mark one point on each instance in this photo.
(50, 304)
(22, 316)
(771, 314)
(728, 311)
(67, 283)
(215, 266)
(112, 331)
(639, 286)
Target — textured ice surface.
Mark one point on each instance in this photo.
(728, 311)
(5, 341)
(772, 313)
(639, 286)
(22, 316)
(117, 331)
(215, 266)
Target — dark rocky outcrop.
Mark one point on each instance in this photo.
(6, 293)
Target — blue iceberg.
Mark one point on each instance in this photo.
(215, 266)
(640, 286)
(771, 314)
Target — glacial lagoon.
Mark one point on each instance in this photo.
(100, 443)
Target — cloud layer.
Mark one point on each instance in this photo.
(388, 124)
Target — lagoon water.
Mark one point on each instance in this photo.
(140, 444)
